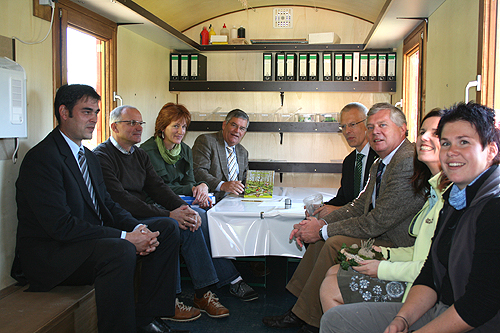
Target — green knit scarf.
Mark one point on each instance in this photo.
(169, 156)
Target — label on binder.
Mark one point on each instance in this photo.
(290, 67)
(339, 64)
(363, 67)
(391, 67)
(280, 67)
(184, 66)
(348, 67)
(355, 66)
(268, 67)
(372, 67)
(327, 66)
(174, 67)
(313, 67)
(194, 65)
(382, 67)
(303, 67)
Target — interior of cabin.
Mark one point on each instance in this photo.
(445, 53)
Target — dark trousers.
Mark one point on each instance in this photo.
(111, 268)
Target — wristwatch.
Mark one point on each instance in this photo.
(321, 234)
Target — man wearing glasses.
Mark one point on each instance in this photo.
(130, 178)
(382, 211)
(220, 160)
(356, 165)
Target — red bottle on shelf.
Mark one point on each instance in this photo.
(204, 36)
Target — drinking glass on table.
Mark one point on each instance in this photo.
(312, 203)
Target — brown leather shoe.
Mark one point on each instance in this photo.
(184, 313)
(210, 304)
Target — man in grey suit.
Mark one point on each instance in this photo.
(383, 211)
(220, 160)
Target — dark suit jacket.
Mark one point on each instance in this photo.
(58, 224)
(395, 207)
(345, 194)
(210, 161)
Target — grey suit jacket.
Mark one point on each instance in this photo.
(210, 162)
(395, 206)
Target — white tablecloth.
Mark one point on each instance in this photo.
(242, 227)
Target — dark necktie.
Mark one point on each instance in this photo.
(231, 163)
(82, 162)
(358, 173)
(378, 179)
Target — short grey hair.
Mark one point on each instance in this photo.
(354, 105)
(397, 116)
(237, 113)
(116, 114)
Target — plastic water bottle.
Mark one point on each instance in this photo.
(225, 32)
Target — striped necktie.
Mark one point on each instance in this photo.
(378, 179)
(231, 163)
(358, 173)
(82, 162)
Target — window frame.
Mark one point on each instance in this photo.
(417, 39)
(70, 14)
(487, 51)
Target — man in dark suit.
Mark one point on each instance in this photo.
(356, 166)
(376, 213)
(213, 156)
(70, 232)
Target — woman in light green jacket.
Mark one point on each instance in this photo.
(390, 280)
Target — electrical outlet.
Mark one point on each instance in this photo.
(46, 2)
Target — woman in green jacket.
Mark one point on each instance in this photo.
(172, 160)
(390, 280)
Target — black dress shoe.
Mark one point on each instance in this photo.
(289, 319)
(308, 329)
(158, 326)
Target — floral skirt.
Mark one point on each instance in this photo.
(356, 287)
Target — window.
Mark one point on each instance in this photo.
(85, 52)
(487, 53)
(413, 78)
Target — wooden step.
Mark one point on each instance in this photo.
(64, 309)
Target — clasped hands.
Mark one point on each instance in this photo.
(186, 218)
(145, 240)
(307, 231)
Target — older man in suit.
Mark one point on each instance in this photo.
(376, 213)
(220, 160)
(356, 165)
(70, 232)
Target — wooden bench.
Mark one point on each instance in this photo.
(64, 309)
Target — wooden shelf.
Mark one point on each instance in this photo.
(304, 167)
(282, 47)
(282, 127)
(299, 86)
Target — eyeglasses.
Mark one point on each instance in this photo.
(131, 123)
(235, 126)
(350, 125)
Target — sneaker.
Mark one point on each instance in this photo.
(243, 291)
(184, 312)
(210, 304)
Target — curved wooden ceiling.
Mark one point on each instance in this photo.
(183, 14)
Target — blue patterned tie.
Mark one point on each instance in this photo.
(82, 162)
(378, 179)
(358, 173)
(231, 163)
